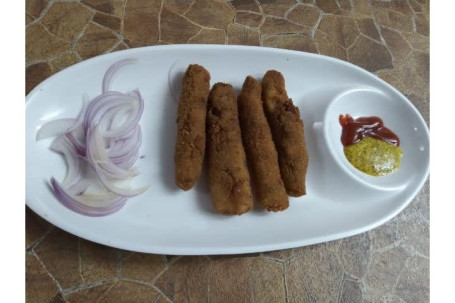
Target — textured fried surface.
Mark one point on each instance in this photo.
(191, 135)
(229, 178)
(262, 156)
(288, 133)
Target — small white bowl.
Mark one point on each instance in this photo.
(410, 128)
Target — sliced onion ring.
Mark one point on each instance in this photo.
(105, 138)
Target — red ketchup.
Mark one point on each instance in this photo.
(355, 130)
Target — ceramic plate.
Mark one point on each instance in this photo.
(340, 202)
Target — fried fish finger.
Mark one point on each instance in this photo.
(262, 156)
(191, 124)
(229, 179)
(287, 131)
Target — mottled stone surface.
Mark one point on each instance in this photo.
(304, 15)
(34, 75)
(67, 20)
(385, 236)
(385, 269)
(141, 23)
(280, 255)
(351, 292)
(399, 47)
(370, 55)
(40, 44)
(355, 254)
(39, 286)
(237, 280)
(120, 291)
(97, 262)
(276, 7)
(213, 14)
(413, 232)
(273, 26)
(64, 61)
(95, 41)
(329, 47)
(368, 28)
(36, 227)
(34, 8)
(209, 36)
(112, 7)
(59, 251)
(328, 6)
(248, 19)
(387, 264)
(246, 5)
(316, 274)
(186, 280)
(238, 34)
(298, 42)
(340, 29)
(413, 284)
(108, 21)
(141, 267)
(176, 28)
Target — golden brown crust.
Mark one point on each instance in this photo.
(229, 178)
(191, 135)
(262, 156)
(288, 133)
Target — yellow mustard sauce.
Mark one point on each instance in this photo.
(374, 157)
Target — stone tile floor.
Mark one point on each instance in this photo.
(387, 264)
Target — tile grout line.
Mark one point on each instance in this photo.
(192, 37)
(340, 290)
(159, 20)
(59, 287)
(351, 3)
(78, 37)
(226, 38)
(43, 13)
(38, 242)
(247, 11)
(395, 31)
(81, 287)
(119, 263)
(261, 10)
(394, 287)
(157, 298)
(285, 281)
(104, 293)
(189, 8)
(367, 270)
(122, 23)
(150, 284)
(114, 46)
(286, 13)
(267, 258)
(48, 59)
(117, 35)
(378, 28)
(316, 25)
(80, 260)
(166, 267)
(209, 280)
(194, 23)
(161, 293)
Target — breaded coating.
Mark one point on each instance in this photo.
(262, 156)
(191, 135)
(229, 179)
(287, 131)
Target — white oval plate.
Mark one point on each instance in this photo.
(340, 202)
